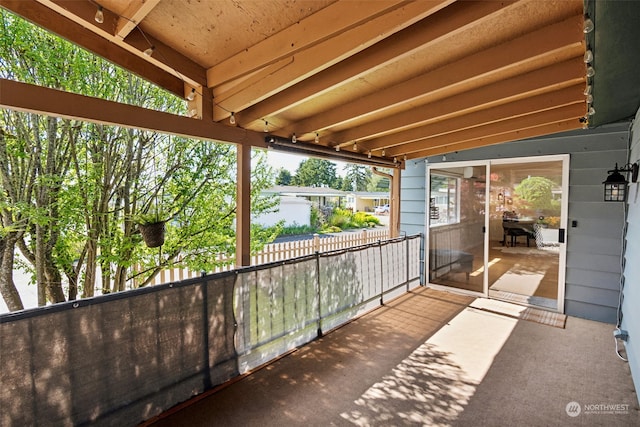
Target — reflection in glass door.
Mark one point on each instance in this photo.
(457, 197)
(526, 231)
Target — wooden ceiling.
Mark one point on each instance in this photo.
(387, 79)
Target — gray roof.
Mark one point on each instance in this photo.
(371, 194)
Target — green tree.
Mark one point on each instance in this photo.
(284, 177)
(317, 172)
(43, 156)
(71, 190)
(536, 191)
(356, 177)
(378, 183)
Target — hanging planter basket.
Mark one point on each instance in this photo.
(152, 233)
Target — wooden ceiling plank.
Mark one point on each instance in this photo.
(40, 100)
(134, 14)
(542, 102)
(322, 25)
(557, 76)
(546, 129)
(81, 29)
(548, 42)
(445, 24)
(42, 16)
(166, 58)
(236, 86)
(567, 112)
(323, 55)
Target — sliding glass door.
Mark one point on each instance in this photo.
(497, 229)
(527, 217)
(457, 207)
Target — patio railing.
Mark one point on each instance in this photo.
(122, 358)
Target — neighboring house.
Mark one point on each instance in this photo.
(296, 202)
(366, 201)
(293, 210)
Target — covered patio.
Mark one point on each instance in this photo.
(432, 358)
(390, 84)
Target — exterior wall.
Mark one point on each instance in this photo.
(365, 203)
(293, 210)
(412, 197)
(593, 248)
(630, 311)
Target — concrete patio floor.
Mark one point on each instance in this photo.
(432, 358)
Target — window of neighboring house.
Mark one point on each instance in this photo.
(444, 201)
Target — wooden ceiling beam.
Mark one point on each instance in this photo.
(74, 21)
(322, 25)
(544, 129)
(40, 100)
(545, 46)
(522, 107)
(567, 112)
(325, 54)
(442, 25)
(553, 77)
(135, 12)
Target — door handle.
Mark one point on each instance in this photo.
(561, 235)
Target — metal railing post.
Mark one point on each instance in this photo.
(381, 274)
(319, 294)
(407, 260)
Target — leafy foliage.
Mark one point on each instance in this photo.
(316, 172)
(536, 191)
(378, 183)
(284, 177)
(343, 219)
(72, 191)
(292, 230)
(356, 177)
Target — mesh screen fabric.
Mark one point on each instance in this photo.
(126, 357)
(277, 310)
(117, 359)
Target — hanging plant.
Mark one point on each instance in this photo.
(152, 229)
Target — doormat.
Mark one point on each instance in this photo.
(545, 317)
(520, 312)
(523, 299)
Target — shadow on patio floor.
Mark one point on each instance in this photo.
(428, 358)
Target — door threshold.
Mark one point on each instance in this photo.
(525, 300)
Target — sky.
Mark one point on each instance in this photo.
(291, 162)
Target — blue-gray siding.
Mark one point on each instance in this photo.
(593, 268)
(631, 304)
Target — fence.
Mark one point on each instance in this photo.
(122, 358)
(280, 251)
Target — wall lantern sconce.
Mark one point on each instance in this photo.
(615, 186)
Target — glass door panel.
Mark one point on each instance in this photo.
(525, 211)
(457, 197)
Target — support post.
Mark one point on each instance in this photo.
(243, 206)
(394, 206)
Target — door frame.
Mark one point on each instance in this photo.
(564, 211)
(485, 243)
